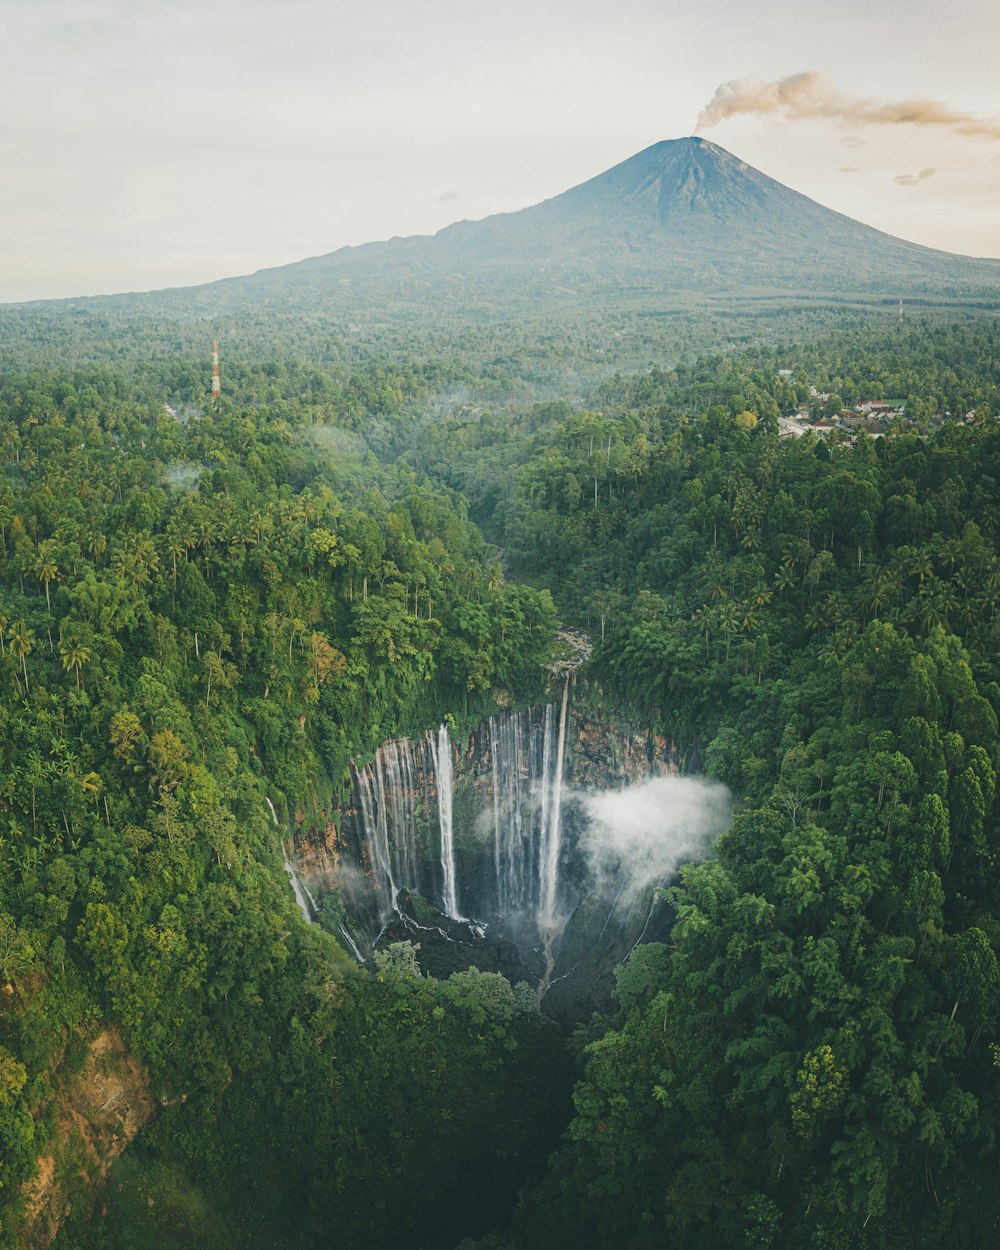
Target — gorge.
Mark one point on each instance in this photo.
(534, 848)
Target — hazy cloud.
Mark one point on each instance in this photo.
(852, 141)
(811, 94)
(911, 180)
(848, 169)
(447, 195)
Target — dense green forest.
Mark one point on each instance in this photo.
(437, 358)
(198, 615)
(217, 604)
(813, 1059)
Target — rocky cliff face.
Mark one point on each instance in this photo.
(97, 1115)
(608, 755)
(601, 754)
(529, 902)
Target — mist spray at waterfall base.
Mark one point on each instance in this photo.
(642, 835)
(628, 842)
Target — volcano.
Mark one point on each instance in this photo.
(681, 217)
(682, 220)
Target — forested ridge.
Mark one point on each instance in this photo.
(205, 610)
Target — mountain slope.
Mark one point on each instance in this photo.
(681, 219)
(681, 216)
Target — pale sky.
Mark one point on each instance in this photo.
(152, 143)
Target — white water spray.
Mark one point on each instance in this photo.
(641, 835)
(441, 747)
(552, 821)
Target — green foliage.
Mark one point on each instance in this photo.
(197, 612)
(809, 1062)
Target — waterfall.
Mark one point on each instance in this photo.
(527, 762)
(302, 897)
(517, 774)
(405, 818)
(371, 803)
(392, 791)
(548, 866)
(545, 806)
(532, 848)
(345, 934)
(505, 759)
(441, 751)
(398, 788)
(297, 890)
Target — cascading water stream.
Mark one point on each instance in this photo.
(302, 897)
(549, 865)
(345, 934)
(371, 805)
(546, 802)
(513, 828)
(441, 748)
(405, 815)
(526, 751)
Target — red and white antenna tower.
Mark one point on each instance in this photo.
(215, 369)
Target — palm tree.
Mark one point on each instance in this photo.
(922, 566)
(881, 588)
(950, 553)
(964, 580)
(729, 621)
(937, 606)
(74, 656)
(817, 618)
(702, 618)
(47, 569)
(261, 521)
(761, 596)
(175, 546)
(21, 642)
(784, 579)
(136, 560)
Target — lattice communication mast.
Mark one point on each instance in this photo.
(216, 390)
